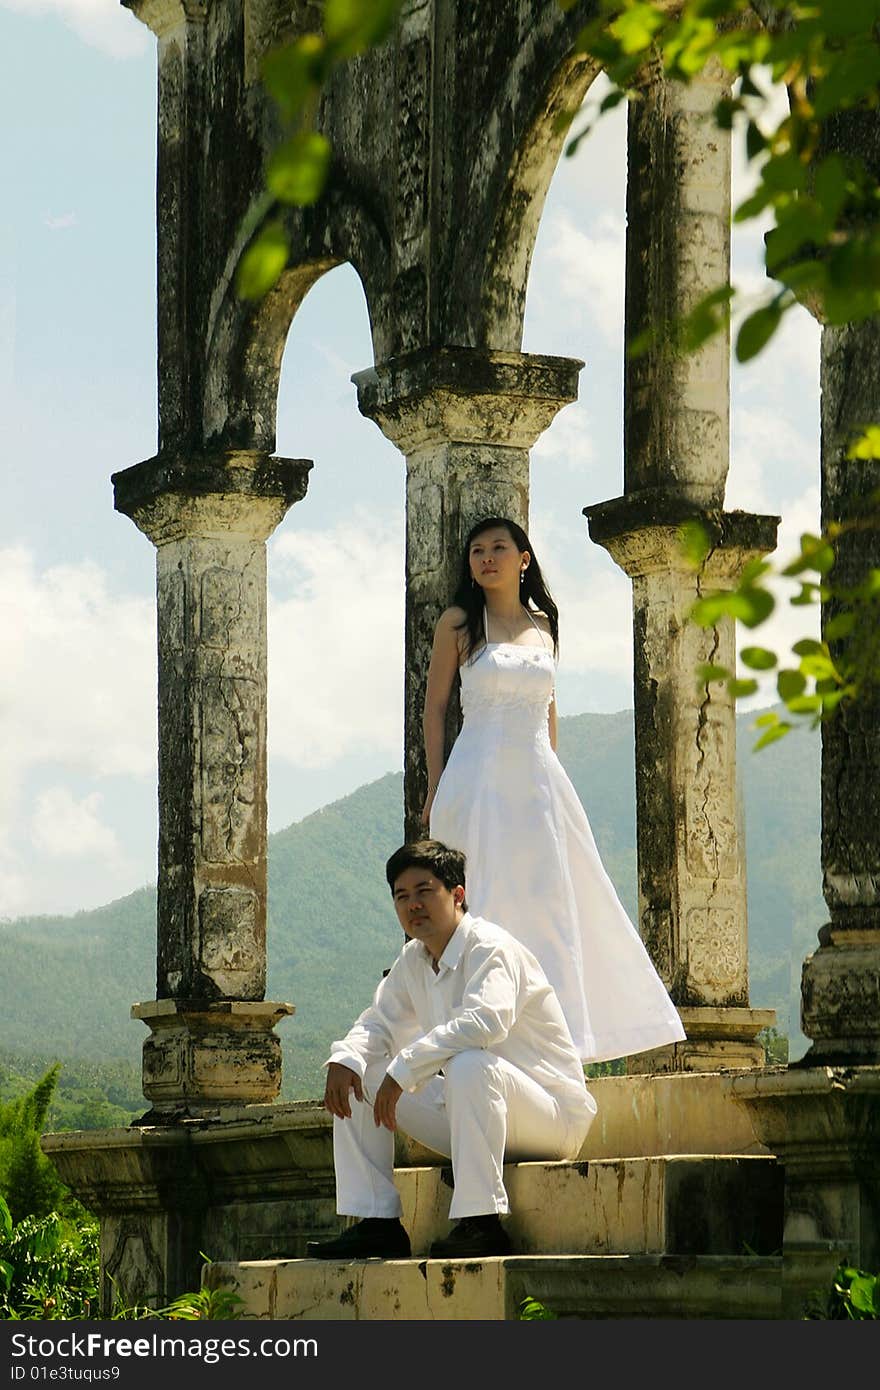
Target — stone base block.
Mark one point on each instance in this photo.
(717, 1039)
(823, 1123)
(592, 1286)
(840, 1000)
(682, 1206)
(203, 1055)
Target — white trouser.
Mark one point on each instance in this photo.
(480, 1112)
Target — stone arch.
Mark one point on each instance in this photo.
(247, 340)
(521, 204)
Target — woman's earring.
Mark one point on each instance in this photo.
(522, 574)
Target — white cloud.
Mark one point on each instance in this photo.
(336, 642)
(77, 699)
(594, 598)
(587, 269)
(66, 828)
(78, 682)
(102, 24)
(62, 222)
(569, 440)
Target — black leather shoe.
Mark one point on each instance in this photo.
(471, 1238)
(374, 1238)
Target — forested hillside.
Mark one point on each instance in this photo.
(68, 982)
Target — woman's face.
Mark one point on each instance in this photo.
(495, 559)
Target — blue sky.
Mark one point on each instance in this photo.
(78, 396)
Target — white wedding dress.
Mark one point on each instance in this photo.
(532, 864)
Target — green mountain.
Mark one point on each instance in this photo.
(69, 981)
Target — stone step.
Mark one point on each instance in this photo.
(579, 1286)
(679, 1205)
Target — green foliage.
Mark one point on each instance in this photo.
(775, 1046)
(823, 674)
(530, 1310)
(825, 244)
(48, 1266)
(823, 249)
(207, 1305)
(854, 1296)
(28, 1182)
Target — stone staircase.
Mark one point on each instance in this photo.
(658, 1235)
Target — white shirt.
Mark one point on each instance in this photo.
(489, 992)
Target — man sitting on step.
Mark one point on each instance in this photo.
(466, 1049)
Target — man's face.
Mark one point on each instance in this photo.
(426, 909)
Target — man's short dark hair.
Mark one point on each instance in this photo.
(444, 863)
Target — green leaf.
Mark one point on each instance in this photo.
(805, 704)
(805, 597)
(298, 169)
(635, 28)
(262, 264)
(807, 646)
(831, 187)
(773, 735)
(790, 684)
(758, 658)
(867, 445)
(784, 173)
(742, 687)
(753, 206)
(853, 74)
(695, 542)
(753, 605)
(841, 625)
(819, 667)
(756, 331)
(817, 553)
(765, 721)
(754, 569)
(862, 1293)
(5, 1219)
(707, 672)
(6, 1274)
(351, 26)
(294, 72)
(709, 316)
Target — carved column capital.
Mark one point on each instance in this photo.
(641, 531)
(241, 493)
(466, 395)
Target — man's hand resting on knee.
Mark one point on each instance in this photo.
(385, 1108)
(341, 1081)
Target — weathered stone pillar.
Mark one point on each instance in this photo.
(840, 988)
(821, 1115)
(692, 889)
(465, 419)
(692, 882)
(211, 1028)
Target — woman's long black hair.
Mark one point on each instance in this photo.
(533, 591)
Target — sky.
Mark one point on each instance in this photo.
(78, 400)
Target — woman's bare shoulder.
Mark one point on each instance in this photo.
(451, 619)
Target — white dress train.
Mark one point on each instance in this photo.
(532, 865)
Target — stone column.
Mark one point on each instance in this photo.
(465, 419)
(211, 1037)
(692, 882)
(692, 889)
(840, 987)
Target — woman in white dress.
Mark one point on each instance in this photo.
(506, 801)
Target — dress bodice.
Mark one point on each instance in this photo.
(508, 678)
